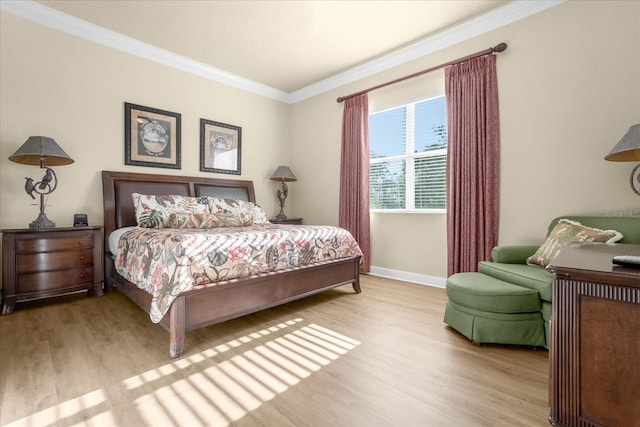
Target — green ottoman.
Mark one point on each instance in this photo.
(488, 310)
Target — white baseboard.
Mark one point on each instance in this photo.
(421, 279)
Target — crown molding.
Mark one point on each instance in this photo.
(497, 18)
(511, 12)
(36, 12)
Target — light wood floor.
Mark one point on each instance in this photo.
(380, 358)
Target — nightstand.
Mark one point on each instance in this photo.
(42, 263)
(297, 221)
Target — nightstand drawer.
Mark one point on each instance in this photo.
(57, 244)
(26, 263)
(53, 280)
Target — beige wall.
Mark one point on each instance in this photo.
(569, 88)
(58, 85)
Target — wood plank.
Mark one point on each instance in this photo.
(383, 357)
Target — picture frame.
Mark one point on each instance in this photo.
(151, 137)
(220, 147)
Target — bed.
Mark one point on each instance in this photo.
(210, 303)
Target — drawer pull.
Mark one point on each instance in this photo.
(81, 242)
(81, 258)
(33, 282)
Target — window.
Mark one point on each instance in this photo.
(408, 146)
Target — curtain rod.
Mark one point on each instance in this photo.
(501, 47)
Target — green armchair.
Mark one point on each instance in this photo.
(508, 301)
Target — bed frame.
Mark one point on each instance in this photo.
(209, 304)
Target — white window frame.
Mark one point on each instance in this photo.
(410, 154)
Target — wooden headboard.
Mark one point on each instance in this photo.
(117, 188)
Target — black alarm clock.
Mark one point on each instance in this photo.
(80, 220)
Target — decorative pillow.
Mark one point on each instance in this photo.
(208, 220)
(234, 206)
(566, 232)
(153, 211)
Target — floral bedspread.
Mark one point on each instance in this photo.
(167, 262)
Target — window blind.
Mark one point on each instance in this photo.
(408, 156)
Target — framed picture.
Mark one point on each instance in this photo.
(151, 137)
(220, 147)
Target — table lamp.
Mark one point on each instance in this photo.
(628, 150)
(283, 174)
(45, 152)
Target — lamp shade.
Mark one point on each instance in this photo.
(628, 148)
(41, 150)
(284, 174)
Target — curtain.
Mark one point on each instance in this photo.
(354, 174)
(471, 90)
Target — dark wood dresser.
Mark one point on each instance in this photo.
(41, 263)
(594, 356)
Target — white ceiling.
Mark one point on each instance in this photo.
(281, 47)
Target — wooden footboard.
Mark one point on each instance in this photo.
(210, 304)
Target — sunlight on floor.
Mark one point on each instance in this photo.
(92, 403)
(204, 394)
